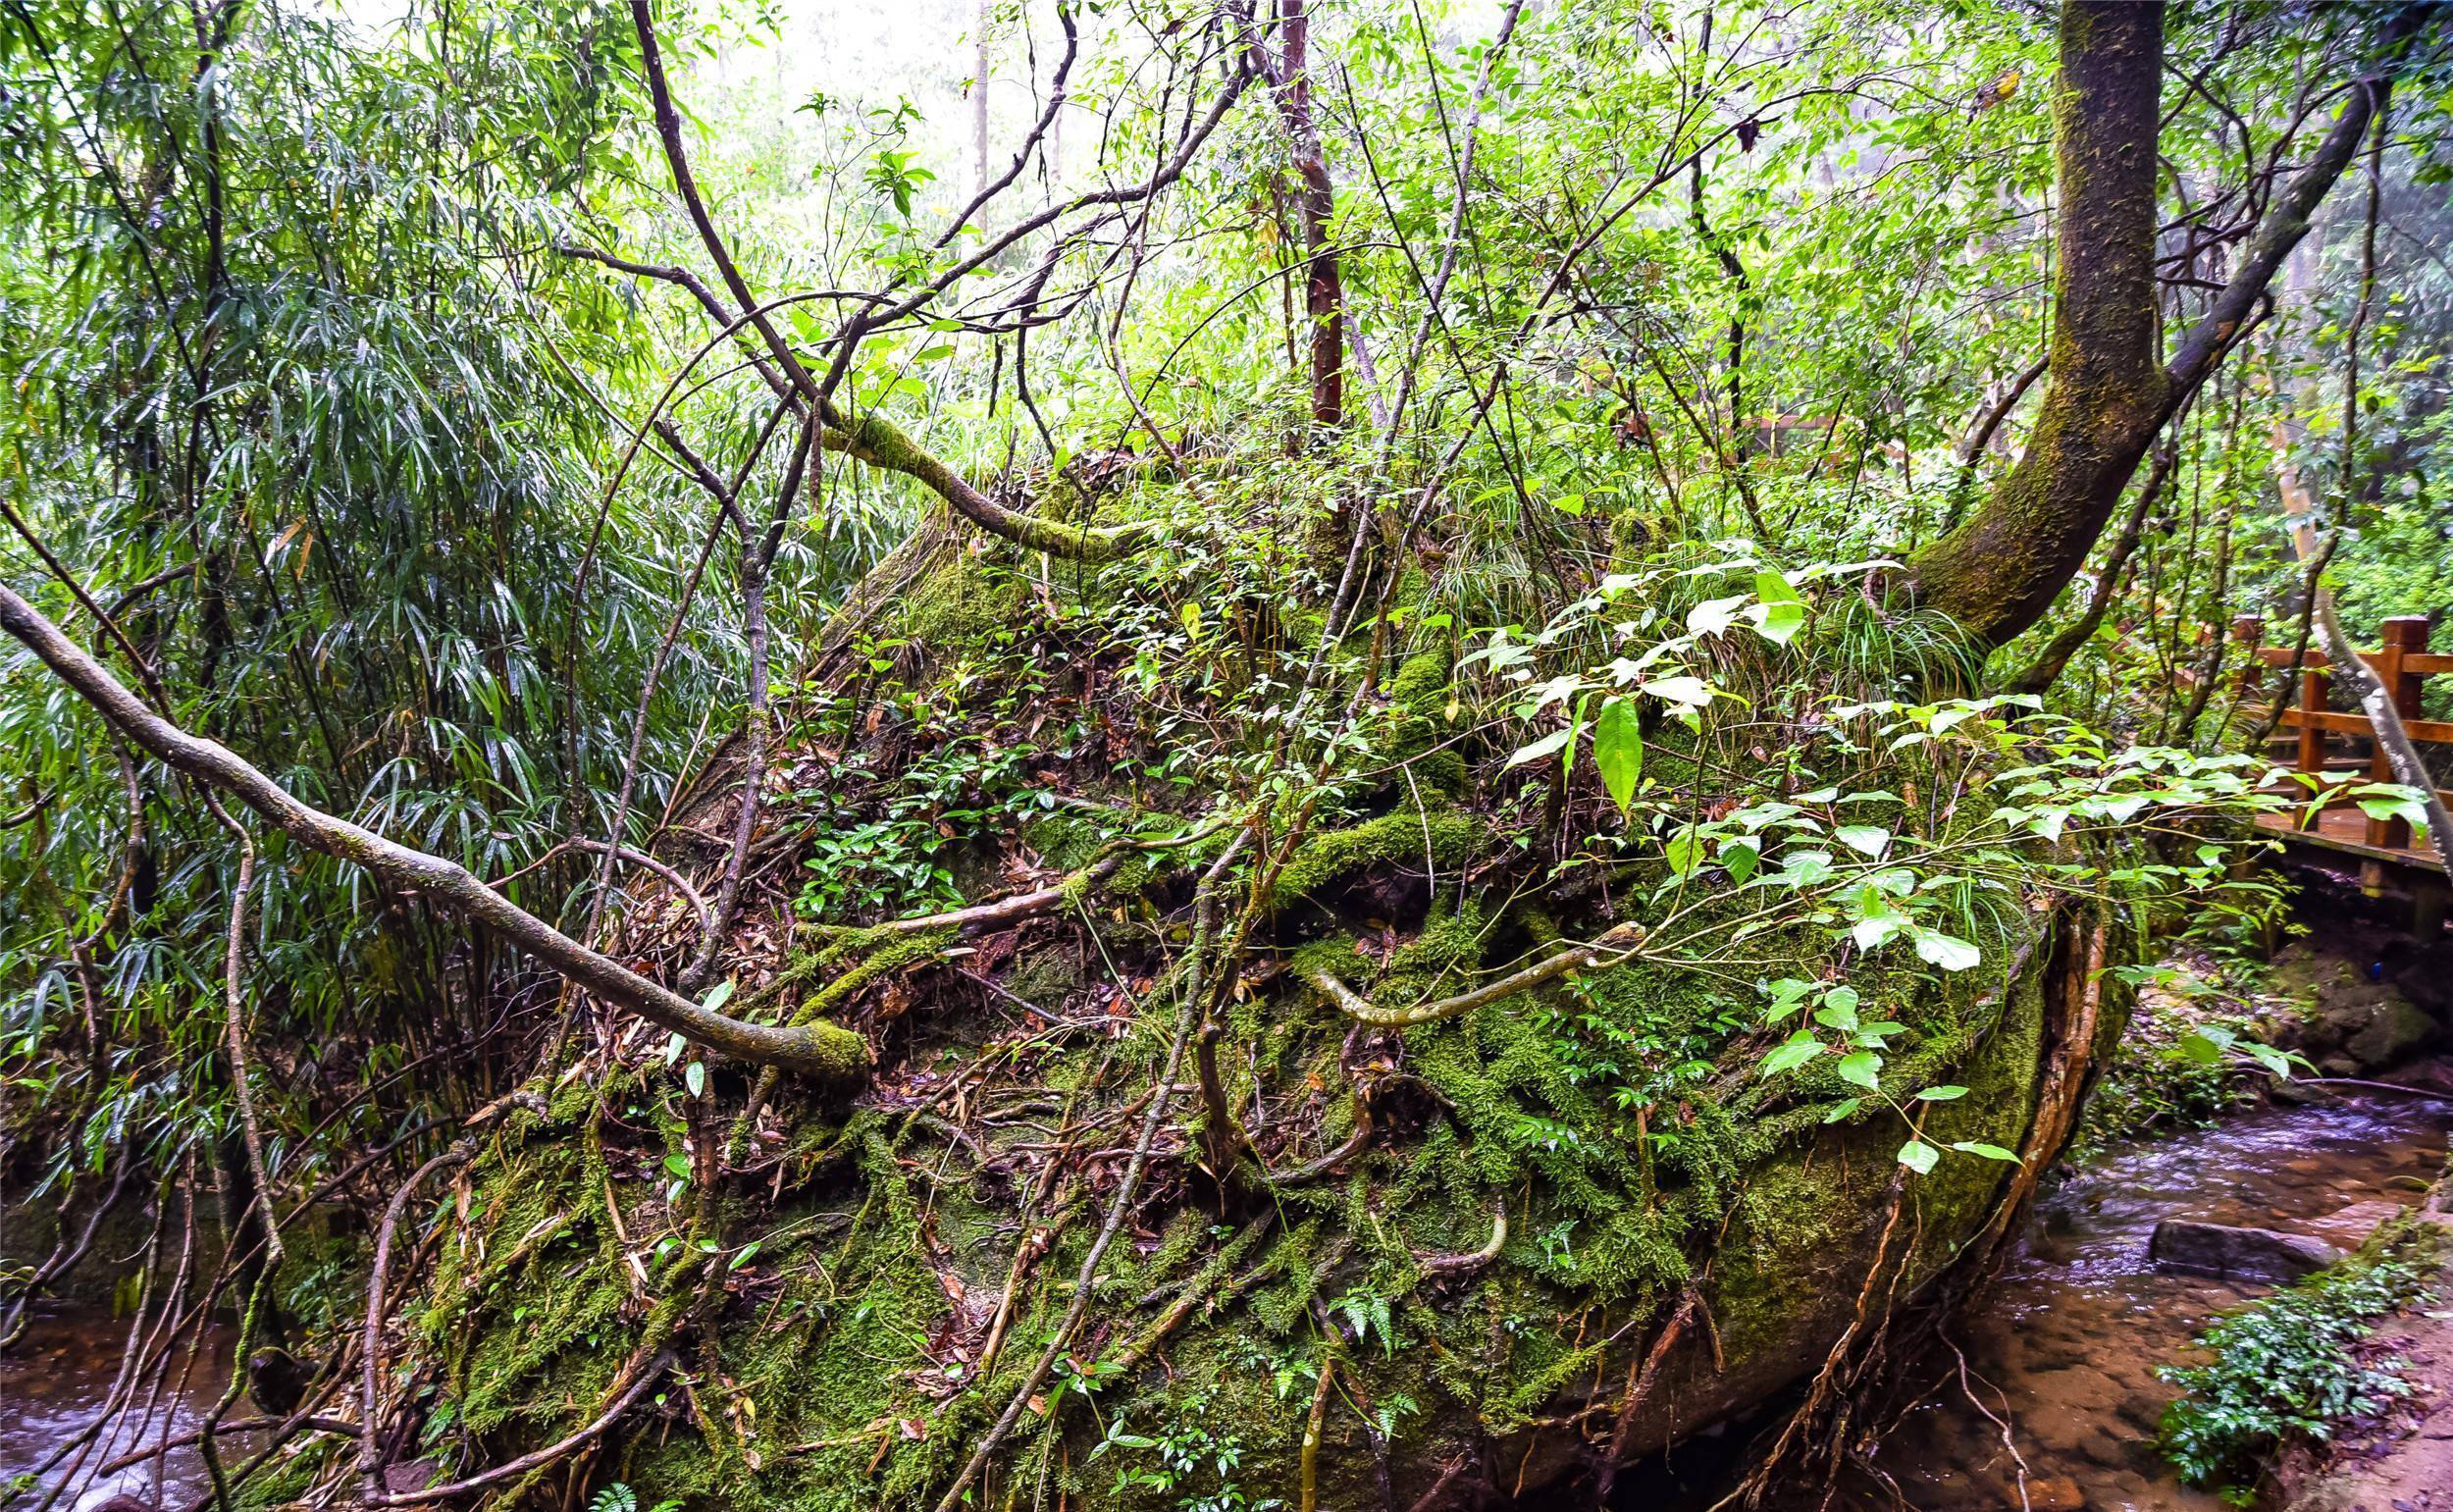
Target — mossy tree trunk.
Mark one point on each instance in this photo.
(1999, 573)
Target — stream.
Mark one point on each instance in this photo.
(2069, 1337)
(2064, 1346)
(56, 1381)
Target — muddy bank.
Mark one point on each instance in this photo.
(2399, 1458)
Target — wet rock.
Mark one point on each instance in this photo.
(2351, 1227)
(2225, 1253)
(2055, 1494)
(2351, 1019)
(2080, 1387)
(2394, 1029)
(415, 1476)
(2424, 973)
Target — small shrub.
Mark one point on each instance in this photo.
(2284, 1366)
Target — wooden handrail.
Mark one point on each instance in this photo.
(2402, 665)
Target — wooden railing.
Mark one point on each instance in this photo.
(2402, 665)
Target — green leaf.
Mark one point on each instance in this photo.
(1918, 1156)
(717, 996)
(1713, 616)
(694, 1076)
(1790, 1053)
(1772, 588)
(1844, 1109)
(1781, 622)
(1548, 744)
(1866, 838)
(2206, 1044)
(1787, 994)
(1862, 1069)
(1876, 930)
(1947, 951)
(1618, 750)
(1687, 692)
(1942, 1094)
(1991, 1152)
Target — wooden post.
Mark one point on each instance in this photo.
(2404, 634)
(2315, 688)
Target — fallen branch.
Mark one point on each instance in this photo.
(1470, 1259)
(826, 1051)
(538, 1458)
(1617, 941)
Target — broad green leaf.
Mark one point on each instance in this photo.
(1863, 1069)
(1866, 838)
(1618, 750)
(1713, 616)
(1918, 1156)
(2207, 1043)
(1876, 930)
(1781, 622)
(1548, 744)
(694, 1076)
(717, 996)
(1790, 1053)
(1943, 1094)
(1687, 692)
(1991, 1152)
(1947, 951)
(1837, 1016)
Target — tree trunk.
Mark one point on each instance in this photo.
(1998, 573)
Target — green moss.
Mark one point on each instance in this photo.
(961, 605)
(1406, 838)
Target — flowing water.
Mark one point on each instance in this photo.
(53, 1387)
(2064, 1346)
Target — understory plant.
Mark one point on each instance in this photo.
(2294, 1367)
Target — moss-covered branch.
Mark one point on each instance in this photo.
(1612, 942)
(880, 443)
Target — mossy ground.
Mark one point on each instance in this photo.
(831, 1276)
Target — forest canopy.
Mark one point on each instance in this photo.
(920, 716)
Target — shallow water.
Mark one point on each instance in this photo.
(2064, 1346)
(53, 1387)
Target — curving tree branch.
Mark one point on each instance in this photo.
(823, 1051)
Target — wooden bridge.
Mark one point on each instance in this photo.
(2383, 848)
